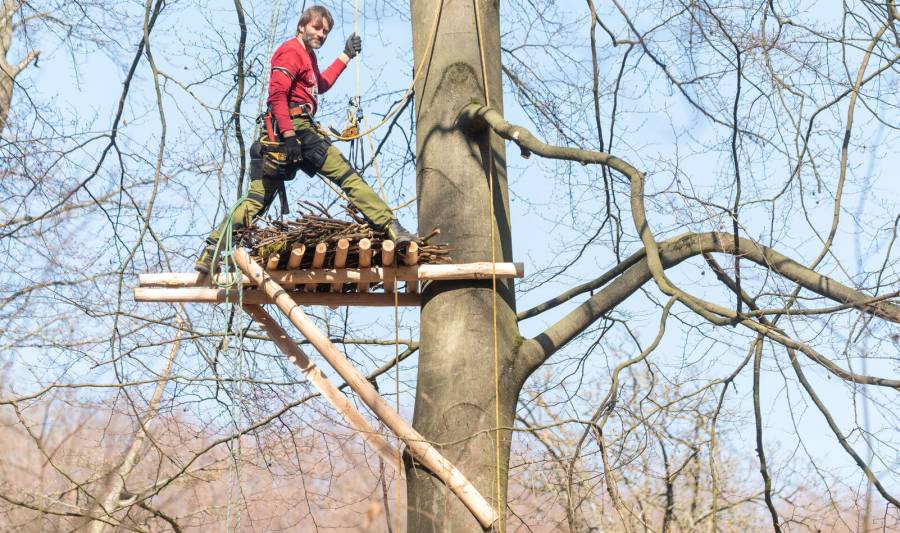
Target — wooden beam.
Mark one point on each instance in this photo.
(387, 259)
(317, 262)
(253, 296)
(340, 259)
(365, 261)
(416, 444)
(411, 258)
(346, 275)
(296, 257)
(328, 390)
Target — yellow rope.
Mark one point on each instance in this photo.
(375, 164)
(359, 59)
(409, 90)
(496, 352)
(397, 391)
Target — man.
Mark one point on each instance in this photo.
(291, 141)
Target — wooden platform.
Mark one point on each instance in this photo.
(335, 286)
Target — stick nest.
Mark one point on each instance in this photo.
(315, 225)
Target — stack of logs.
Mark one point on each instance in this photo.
(316, 242)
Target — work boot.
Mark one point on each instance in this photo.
(401, 235)
(206, 262)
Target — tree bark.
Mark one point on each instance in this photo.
(455, 398)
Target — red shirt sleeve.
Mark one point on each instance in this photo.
(287, 63)
(327, 79)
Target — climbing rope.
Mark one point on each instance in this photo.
(398, 515)
(496, 352)
(409, 90)
(225, 244)
(356, 118)
(233, 278)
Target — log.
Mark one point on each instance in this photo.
(296, 257)
(328, 390)
(415, 442)
(365, 261)
(340, 259)
(410, 258)
(387, 259)
(272, 263)
(252, 296)
(387, 253)
(347, 275)
(317, 262)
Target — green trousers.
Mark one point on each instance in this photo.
(268, 170)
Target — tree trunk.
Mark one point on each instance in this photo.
(8, 72)
(455, 399)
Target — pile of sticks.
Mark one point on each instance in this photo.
(293, 244)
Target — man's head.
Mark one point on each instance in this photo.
(313, 27)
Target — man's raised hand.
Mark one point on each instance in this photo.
(353, 46)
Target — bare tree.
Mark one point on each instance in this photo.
(694, 329)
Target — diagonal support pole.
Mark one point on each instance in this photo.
(415, 442)
(328, 390)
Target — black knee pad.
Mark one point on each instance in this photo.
(256, 161)
(342, 178)
(315, 150)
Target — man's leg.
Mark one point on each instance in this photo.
(260, 195)
(338, 171)
(319, 156)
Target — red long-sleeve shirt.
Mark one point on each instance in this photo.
(295, 77)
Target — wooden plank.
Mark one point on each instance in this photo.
(416, 444)
(328, 390)
(347, 275)
(365, 261)
(253, 296)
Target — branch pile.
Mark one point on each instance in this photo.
(316, 225)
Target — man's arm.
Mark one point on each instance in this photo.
(352, 48)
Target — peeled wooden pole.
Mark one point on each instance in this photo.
(315, 376)
(340, 259)
(252, 296)
(317, 262)
(365, 261)
(411, 258)
(296, 257)
(387, 260)
(416, 443)
(367, 274)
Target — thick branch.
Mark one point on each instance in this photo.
(475, 117)
(672, 252)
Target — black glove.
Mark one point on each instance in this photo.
(292, 150)
(353, 45)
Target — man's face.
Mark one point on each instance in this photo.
(314, 33)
